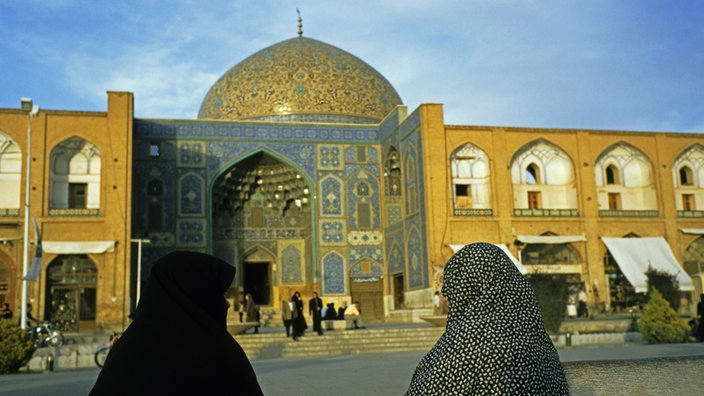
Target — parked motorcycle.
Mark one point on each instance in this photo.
(46, 336)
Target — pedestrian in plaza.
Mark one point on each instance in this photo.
(240, 310)
(700, 312)
(315, 305)
(436, 303)
(287, 315)
(331, 312)
(341, 311)
(324, 311)
(178, 343)
(6, 312)
(582, 303)
(299, 321)
(354, 314)
(252, 310)
(495, 340)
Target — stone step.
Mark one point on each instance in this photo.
(261, 346)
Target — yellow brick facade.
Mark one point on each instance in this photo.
(111, 133)
(583, 147)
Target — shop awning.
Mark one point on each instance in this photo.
(456, 248)
(78, 247)
(634, 255)
(696, 231)
(551, 239)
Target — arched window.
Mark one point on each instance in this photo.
(392, 173)
(75, 178)
(10, 175)
(624, 177)
(612, 175)
(471, 189)
(532, 174)
(686, 176)
(543, 180)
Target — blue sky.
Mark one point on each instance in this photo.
(626, 64)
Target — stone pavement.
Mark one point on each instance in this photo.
(630, 369)
(594, 370)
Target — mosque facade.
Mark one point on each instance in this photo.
(306, 172)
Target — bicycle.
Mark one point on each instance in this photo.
(101, 353)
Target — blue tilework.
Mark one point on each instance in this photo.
(374, 270)
(375, 253)
(367, 175)
(396, 260)
(332, 232)
(333, 274)
(191, 194)
(291, 261)
(329, 157)
(330, 197)
(222, 155)
(191, 233)
(206, 130)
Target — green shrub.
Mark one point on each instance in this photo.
(551, 292)
(660, 323)
(667, 284)
(16, 347)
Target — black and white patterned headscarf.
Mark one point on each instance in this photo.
(495, 341)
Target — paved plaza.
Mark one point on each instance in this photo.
(629, 369)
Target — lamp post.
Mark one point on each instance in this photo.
(32, 111)
(139, 242)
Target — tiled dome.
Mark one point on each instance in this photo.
(301, 79)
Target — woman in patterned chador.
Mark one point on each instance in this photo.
(495, 341)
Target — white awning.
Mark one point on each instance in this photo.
(521, 268)
(696, 231)
(634, 255)
(78, 247)
(551, 239)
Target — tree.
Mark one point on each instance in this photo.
(16, 348)
(660, 324)
(551, 292)
(667, 284)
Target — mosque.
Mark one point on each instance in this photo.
(306, 172)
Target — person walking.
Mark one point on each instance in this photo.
(495, 340)
(299, 321)
(287, 315)
(582, 303)
(240, 310)
(700, 312)
(252, 311)
(315, 305)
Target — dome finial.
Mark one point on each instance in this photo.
(300, 23)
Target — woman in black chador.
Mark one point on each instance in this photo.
(252, 310)
(495, 341)
(178, 343)
(299, 321)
